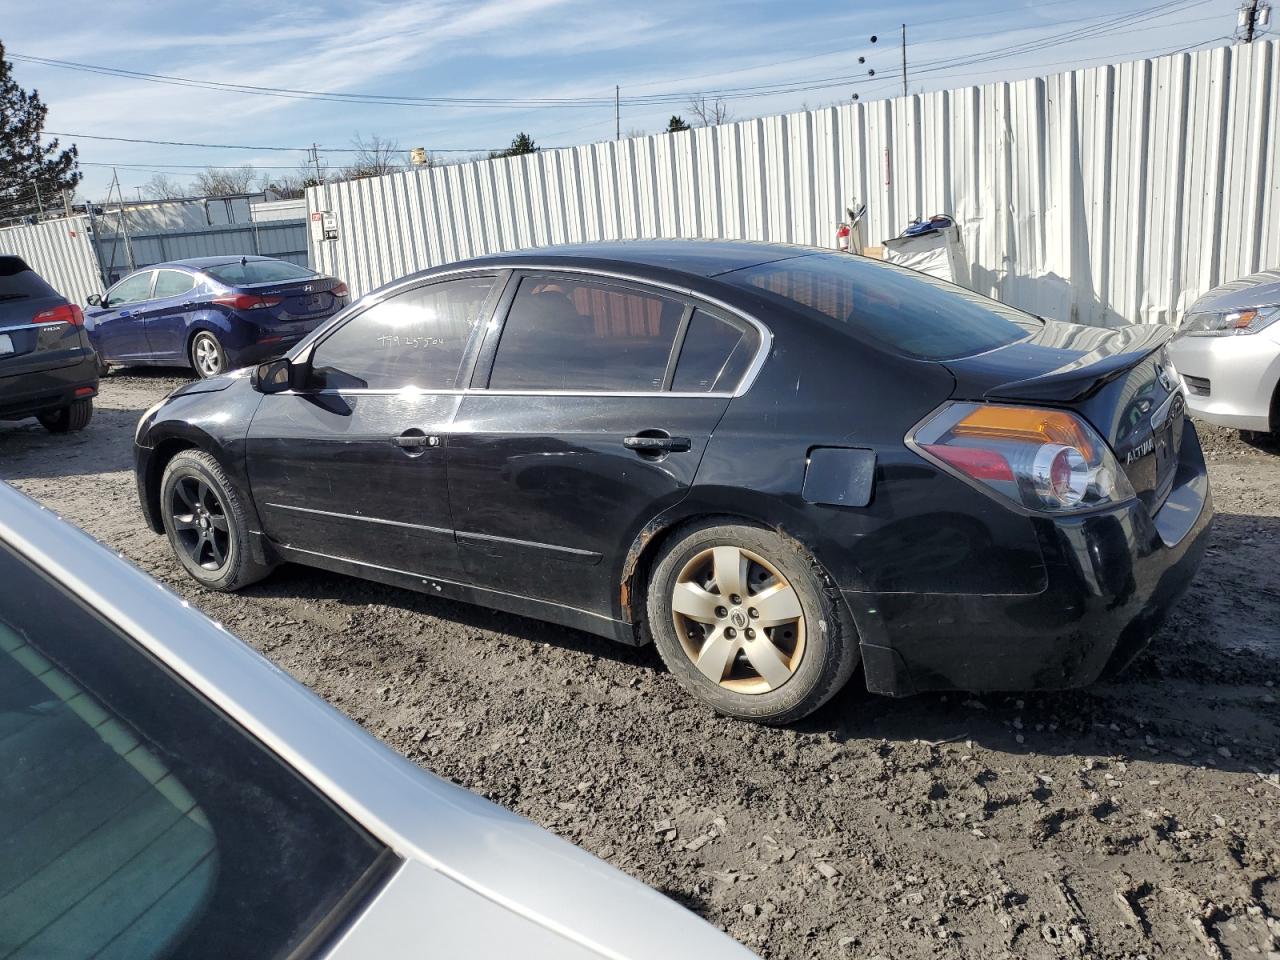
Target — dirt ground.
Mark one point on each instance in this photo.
(1138, 818)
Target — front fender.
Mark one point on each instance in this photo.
(210, 415)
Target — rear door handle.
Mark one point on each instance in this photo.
(658, 444)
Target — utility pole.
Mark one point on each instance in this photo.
(39, 203)
(617, 112)
(314, 157)
(904, 59)
(1253, 14)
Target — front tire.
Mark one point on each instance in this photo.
(75, 416)
(206, 523)
(208, 359)
(749, 623)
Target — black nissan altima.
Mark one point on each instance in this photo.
(777, 463)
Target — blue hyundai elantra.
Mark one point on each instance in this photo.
(210, 313)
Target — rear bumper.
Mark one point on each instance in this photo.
(252, 353)
(42, 391)
(1230, 381)
(1111, 580)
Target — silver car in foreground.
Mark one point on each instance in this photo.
(167, 792)
(1228, 353)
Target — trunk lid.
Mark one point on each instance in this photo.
(302, 301)
(1120, 380)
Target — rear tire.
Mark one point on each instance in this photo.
(70, 418)
(208, 359)
(772, 644)
(206, 523)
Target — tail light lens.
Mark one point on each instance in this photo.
(67, 313)
(1042, 459)
(247, 301)
(340, 290)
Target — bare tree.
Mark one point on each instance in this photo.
(225, 181)
(291, 186)
(374, 157)
(709, 112)
(164, 187)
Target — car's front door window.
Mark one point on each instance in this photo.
(132, 289)
(412, 339)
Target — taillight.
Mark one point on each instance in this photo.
(67, 313)
(1049, 460)
(248, 301)
(340, 290)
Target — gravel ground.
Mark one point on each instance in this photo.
(1140, 817)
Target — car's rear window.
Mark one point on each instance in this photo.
(137, 821)
(897, 309)
(19, 282)
(258, 271)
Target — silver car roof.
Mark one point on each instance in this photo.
(493, 853)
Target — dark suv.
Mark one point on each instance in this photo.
(48, 369)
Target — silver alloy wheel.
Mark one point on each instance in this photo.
(206, 354)
(200, 524)
(738, 619)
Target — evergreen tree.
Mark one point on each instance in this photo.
(27, 165)
(523, 143)
(676, 124)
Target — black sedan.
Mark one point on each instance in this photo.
(775, 462)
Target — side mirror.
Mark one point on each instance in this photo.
(274, 376)
(95, 300)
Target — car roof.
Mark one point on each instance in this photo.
(697, 258)
(203, 263)
(489, 850)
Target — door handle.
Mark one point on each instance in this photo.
(657, 444)
(415, 441)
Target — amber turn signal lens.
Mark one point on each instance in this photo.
(998, 422)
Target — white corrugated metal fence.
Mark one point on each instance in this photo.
(1105, 195)
(61, 251)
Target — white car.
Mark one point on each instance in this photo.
(1228, 354)
(167, 792)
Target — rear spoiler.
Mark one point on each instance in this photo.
(1086, 374)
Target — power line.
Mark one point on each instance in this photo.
(239, 146)
(751, 91)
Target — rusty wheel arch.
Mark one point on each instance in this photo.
(646, 546)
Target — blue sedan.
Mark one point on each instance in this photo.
(210, 313)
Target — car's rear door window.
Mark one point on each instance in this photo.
(570, 334)
(413, 339)
(897, 309)
(138, 821)
(132, 289)
(715, 355)
(172, 283)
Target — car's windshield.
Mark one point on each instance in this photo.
(136, 820)
(901, 310)
(240, 273)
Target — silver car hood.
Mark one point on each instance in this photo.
(495, 856)
(1256, 290)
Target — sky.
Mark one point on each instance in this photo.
(658, 53)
